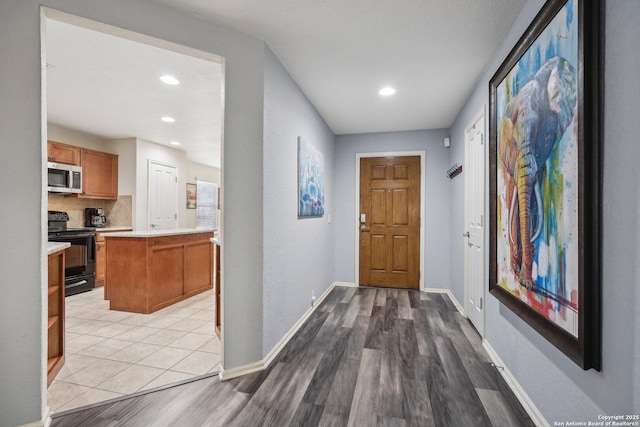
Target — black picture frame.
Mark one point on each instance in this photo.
(519, 140)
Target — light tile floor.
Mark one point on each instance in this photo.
(113, 353)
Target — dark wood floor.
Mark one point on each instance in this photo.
(366, 357)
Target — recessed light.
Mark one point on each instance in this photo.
(170, 80)
(168, 119)
(387, 91)
(174, 143)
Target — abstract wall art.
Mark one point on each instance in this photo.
(192, 195)
(310, 180)
(545, 145)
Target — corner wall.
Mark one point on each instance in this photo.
(23, 226)
(436, 260)
(187, 173)
(297, 255)
(559, 388)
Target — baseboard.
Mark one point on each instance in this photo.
(451, 297)
(521, 395)
(346, 284)
(227, 374)
(294, 329)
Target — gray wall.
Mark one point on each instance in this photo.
(436, 194)
(23, 229)
(297, 252)
(558, 387)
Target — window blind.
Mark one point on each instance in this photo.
(206, 205)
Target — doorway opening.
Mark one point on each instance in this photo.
(399, 253)
(80, 59)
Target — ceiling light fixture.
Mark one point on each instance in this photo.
(174, 143)
(387, 91)
(168, 119)
(170, 80)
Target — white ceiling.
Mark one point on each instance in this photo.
(339, 52)
(110, 87)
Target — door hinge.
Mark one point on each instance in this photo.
(481, 303)
(175, 216)
(176, 179)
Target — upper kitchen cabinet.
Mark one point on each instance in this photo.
(99, 175)
(63, 153)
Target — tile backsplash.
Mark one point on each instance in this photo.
(118, 212)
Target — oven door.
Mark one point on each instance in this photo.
(80, 262)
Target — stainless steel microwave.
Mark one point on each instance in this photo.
(64, 178)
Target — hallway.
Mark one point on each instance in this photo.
(365, 357)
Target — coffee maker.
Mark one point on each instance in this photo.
(94, 217)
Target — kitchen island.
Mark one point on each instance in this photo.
(152, 269)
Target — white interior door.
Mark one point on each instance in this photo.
(474, 247)
(163, 196)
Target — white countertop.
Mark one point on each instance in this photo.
(113, 228)
(158, 233)
(53, 247)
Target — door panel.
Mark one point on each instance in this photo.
(400, 253)
(167, 277)
(163, 196)
(198, 259)
(400, 208)
(474, 223)
(378, 207)
(390, 235)
(378, 252)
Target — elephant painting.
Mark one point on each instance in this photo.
(529, 130)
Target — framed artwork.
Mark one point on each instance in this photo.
(545, 178)
(310, 180)
(192, 196)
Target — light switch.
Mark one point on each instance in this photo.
(363, 218)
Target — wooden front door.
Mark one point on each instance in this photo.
(390, 222)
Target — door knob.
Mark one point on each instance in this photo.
(466, 234)
(364, 228)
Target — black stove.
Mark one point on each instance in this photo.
(58, 231)
(80, 258)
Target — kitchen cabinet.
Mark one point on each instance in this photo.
(147, 272)
(63, 153)
(99, 169)
(55, 315)
(101, 258)
(99, 175)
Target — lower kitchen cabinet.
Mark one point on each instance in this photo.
(101, 258)
(55, 315)
(148, 273)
